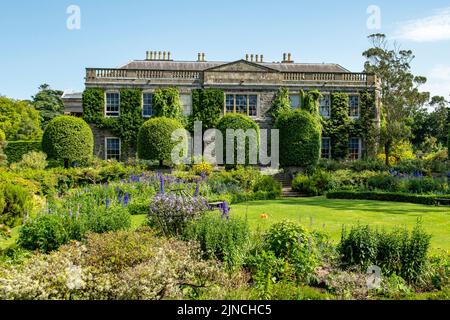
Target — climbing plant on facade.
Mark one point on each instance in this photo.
(280, 104)
(207, 106)
(338, 126)
(311, 101)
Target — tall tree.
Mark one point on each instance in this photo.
(400, 95)
(49, 104)
(19, 120)
(431, 124)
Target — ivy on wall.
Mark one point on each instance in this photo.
(166, 103)
(207, 106)
(310, 101)
(365, 127)
(338, 127)
(280, 104)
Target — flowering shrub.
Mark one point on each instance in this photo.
(202, 168)
(171, 212)
(116, 266)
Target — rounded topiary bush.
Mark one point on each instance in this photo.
(236, 122)
(68, 138)
(155, 139)
(300, 139)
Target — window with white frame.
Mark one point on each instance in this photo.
(325, 106)
(354, 106)
(112, 148)
(295, 101)
(242, 103)
(354, 148)
(147, 105)
(112, 105)
(326, 148)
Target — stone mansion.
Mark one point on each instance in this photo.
(249, 85)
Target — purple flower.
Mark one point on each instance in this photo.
(225, 210)
(126, 199)
(161, 186)
(196, 191)
(70, 213)
(107, 203)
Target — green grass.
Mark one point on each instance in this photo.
(329, 215)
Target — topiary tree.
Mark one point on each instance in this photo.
(300, 139)
(236, 122)
(155, 139)
(68, 138)
(2, 148)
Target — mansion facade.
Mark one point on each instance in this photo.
(249, 85)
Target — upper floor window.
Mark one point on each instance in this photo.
(112, 106)
(147, 107)
(354, 106)
(295, 101)
(326, 148)
(354, 148)
(325, 106)
(242, 103)
(112, 148)
(186, 102)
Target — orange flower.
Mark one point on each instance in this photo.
(264, 216)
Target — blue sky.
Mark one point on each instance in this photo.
(37, 47)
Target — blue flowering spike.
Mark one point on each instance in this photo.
(196, 191)
(126, 199)
(107, 203)
(161, 186)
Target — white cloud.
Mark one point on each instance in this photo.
(429, 29)
(438, 83)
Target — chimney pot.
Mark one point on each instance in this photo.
(159, 55)
(262, 58)
(168, 55)
(284, 57)
(246, 57)
(289, 57)
(203, 56)
(257, 58)
(251, 57)
(164, 55)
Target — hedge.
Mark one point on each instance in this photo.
(387, 196)
(16, 149)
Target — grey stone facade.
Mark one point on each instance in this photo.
(240, 77)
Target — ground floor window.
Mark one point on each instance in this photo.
(112, 148)
(354, 148)
(326, 148)
(242, 103)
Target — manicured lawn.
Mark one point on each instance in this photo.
(330, 215)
